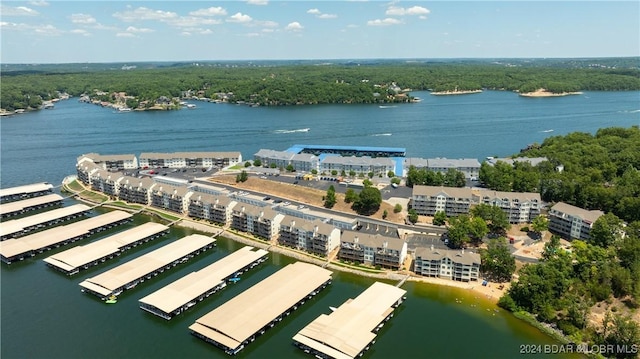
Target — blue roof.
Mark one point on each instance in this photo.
(299, 148)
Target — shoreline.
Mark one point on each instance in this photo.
(455, 92)
(545, 93)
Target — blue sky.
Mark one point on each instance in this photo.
(51, 31)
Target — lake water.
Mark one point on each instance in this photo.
(44, 314)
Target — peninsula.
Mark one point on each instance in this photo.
(545, 93)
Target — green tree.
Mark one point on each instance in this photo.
(290, 168)
(385, 213)
(257, 162)
(314, 171)
(413, 216)
(242, 176)
(440, 218)
(605, 230)
(622, 332)
(397, 208)
(539, 225)
(391, 174)
(368, 201)
(334, 173)
(273, 165)
(497, 262)
(330, 198)
(495, 217)
(247, 164)
(350, 196)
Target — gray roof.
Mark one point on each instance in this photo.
(134, 182)
(155, 155)
(452, 192)
(359, 161)
(453, 163)
(304, 157)
(416, 162)
(574, 211)
(520, 196)
(276, 155)
(372, 240)
(307, 226)
(96, 157)
(456, 256)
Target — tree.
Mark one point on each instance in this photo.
(495, 217)
(257, 162)
(314, 171)
(391, 174)
(385, 213)
(367, 183)
(273, 165)
(538, 225)
(458, 231)
(413, 216)
(397, 208)
(368, 201)
(605, 230)
(621, 332)
(350, 196)
(440, 218)
(290, 168)
(334, 173)
(370, 174)
(247, 164)
(242, 176)
(497, 261)
(330, 198)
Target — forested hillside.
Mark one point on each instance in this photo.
(307, 84)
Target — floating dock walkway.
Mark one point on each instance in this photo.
(74, 259)
(128, 275)
(239, 321)
(24, 192)
(350, 329)
(18, 227)
(19, 248)
(20, 207)
(184, 293)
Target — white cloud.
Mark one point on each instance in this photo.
(143, 13)
(400, 11)
(132, 29)
(327, 16)
(267, 23)
(17, 11)
(39, 3)
(206, 32)
(268, 30)
(384, 22)
(192, 21)
(47, 30)
(82, 32)
(125, 34)
(83, 19)
(294, 26)
(185, 33)
(239, 18)
(257, 2)
(212, 11)
(314, 11)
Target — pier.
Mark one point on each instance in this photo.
(74, 259)
(19, 248)
(20, 207)
(184, 293)
(24, 192)
(126, 276)
(350, 329)
(18, 227)
(239, 321)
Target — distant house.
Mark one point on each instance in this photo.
(572, 222)
(459, 265)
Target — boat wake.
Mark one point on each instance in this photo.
(547, 131)
(629, 111)
(384, 106)
(381, 134)
(293, 131)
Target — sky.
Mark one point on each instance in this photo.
(54, 31)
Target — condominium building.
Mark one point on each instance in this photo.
(135, 190)
(379, 166)
(457, 265)
(453, 201)
(263, 222)
(279, 159)
(520, 207)
(214, 208)
(572, 222)
(469, 166)
(104, 181)
(315, 236)
(172, 198)
(372, 249)
(190, 159)
(110, 162)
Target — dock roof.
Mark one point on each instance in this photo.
(16, 225)
(30, 188)
(238, 319)
(49, 237)
(18, 206)
(109, 281)
(189, 287)
(78, 256)
(349, 329)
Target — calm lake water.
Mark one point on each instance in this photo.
(44, 314)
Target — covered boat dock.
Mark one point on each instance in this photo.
(27, 246)
(350, 330)
(74, 259)
(18, 227)
(128, 275)
(184, 293)
(239, 321)
(19, 207)
(26, 191)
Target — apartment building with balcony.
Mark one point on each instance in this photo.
(105, 182)
(135, 190)
(372, 249)
(190, 159)
(571, 222)
(262, 222)
(459, 265)
(379, 166)
(171, 198)
(314, 236)
(453, 201)
(110, 162)
(520, 207)
(469, 166)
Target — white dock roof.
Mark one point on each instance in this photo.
(78, 256)
(18, 206)
(52, 236)
(348, 330)
(109, 281)
(30, 188)
(189, 287)
(238, 319)
(17, 225)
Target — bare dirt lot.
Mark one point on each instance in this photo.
(304, 195)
